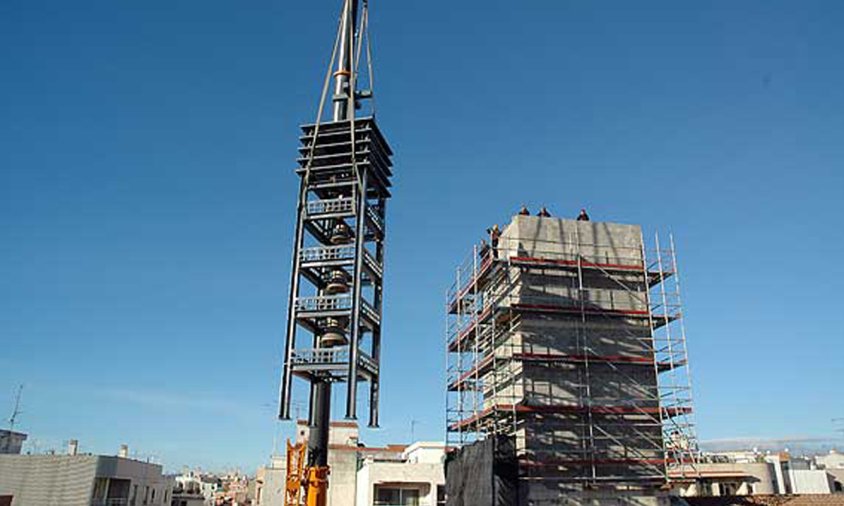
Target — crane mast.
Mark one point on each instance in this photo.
(335, 301)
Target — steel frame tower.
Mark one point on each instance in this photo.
(335, 300)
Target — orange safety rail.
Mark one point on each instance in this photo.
(484, 365)
(550, 308)
(585, 462)
(577, 263)
(599, 410)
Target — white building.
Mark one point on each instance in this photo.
(753, 473)
(414, 478)
(832, 460)
(81, 480)
(725, 478)
(391, 475)
(203, 484)
(187, 491)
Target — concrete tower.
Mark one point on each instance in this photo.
(565, 337)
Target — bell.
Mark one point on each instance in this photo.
(334, 334)
(338, 282)
(340, 234)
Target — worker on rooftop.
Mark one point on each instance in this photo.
(483, 250)
(494, 235)
(583, 216)
(524, 211)
(543, 213)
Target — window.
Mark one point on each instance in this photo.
(100, 488)
(396, 497)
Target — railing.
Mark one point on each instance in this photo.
(338, 254)
(316, 356)
(335, 303)
(327, 253)
(369, 311)
(324, 303)
(328, 356)
(379, 224)
(368, 361)
(373, 264)
(330, 206)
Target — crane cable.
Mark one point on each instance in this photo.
(320, 111)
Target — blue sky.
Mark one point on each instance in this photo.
(147, 192)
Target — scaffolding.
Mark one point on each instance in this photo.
(577, 349)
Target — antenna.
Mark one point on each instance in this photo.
(413, 423)
(17, 411)
(13, 419)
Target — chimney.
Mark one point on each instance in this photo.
(73, 447)
(124, 452)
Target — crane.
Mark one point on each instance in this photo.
(334, 325)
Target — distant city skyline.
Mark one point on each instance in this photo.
(146, 194)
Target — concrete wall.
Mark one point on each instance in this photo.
(339, 434)
(48, 480)
(11, 442)
(838, 479)
(811, 481)
(562, 239)
(69, 480)
(342, 481)
(271, 483)
(555, 441)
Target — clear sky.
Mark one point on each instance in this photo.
(147, 195)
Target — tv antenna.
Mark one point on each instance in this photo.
(413, 423)
(17, 411)
(13, 419)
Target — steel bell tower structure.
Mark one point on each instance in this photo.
(336, 287)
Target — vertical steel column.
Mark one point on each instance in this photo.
(290, 339)
(354, 342)
(378, 301)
